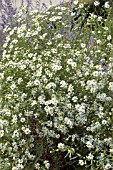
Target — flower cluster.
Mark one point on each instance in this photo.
(56, 93)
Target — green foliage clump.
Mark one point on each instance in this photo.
(56, 92)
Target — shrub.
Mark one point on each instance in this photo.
(56, 92)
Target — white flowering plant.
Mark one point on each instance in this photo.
(56, 92)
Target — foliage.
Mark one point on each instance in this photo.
(56, 92)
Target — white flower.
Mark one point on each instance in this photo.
(73, 13)
(96, 3)
(81, 109)
(50, 85)
(99, 41)
(99, 18)
(70, 88)
(39, 29)
(59, 35)
(13, 86)
(49, 43)
(107, 166)
(56, 67)
(104, 122)
(23, 96)
(106, 28)
(61, 146)
(90, 156)
(34, 102)
(27, 131)
(83, 45)
(93, 16)
(54, 101)
(102, 96)
(20, 166)
(36, 82)
(14, 168)
(75, 98)
(7, 38)
(47, 164)
(109, 37)
(4, 45)
(77, 53)
(53, 19)
(63, 84)
(37, 166)
(20, 161)
(72, 63)
(41, 99)
(20, 80)
(1, 133)
(49, 110)
(22, 119)
(68, 122)
(81, 5)
(110, 86)
(107, 4)
(89, 144)
(67, 46)
(22, 66)
(14, 120)
(15, 134)
(95, 73)
(53, 50)
(63, 8)
(69, 61)
(30, 55)
(111, 150)
(75, 2)
(1, 75)
(81, 162)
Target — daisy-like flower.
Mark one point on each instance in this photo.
(39, 29)
(63, 84)
(90, 156)
(1, 133)
(27, 131)
(22, 119)
(81, 162)
(75, 2)
(47, 164)
(110, 86)
(81, 5)
(109, 37)
(37, 166)
(96, 3)
(15, 168)
(61, 146)
(75, 98)
(89, 144)
(63, 8)
(34, 102)
(13, 86)
(83, 45)
(107, 4)
(107, 166)
(59, 35)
